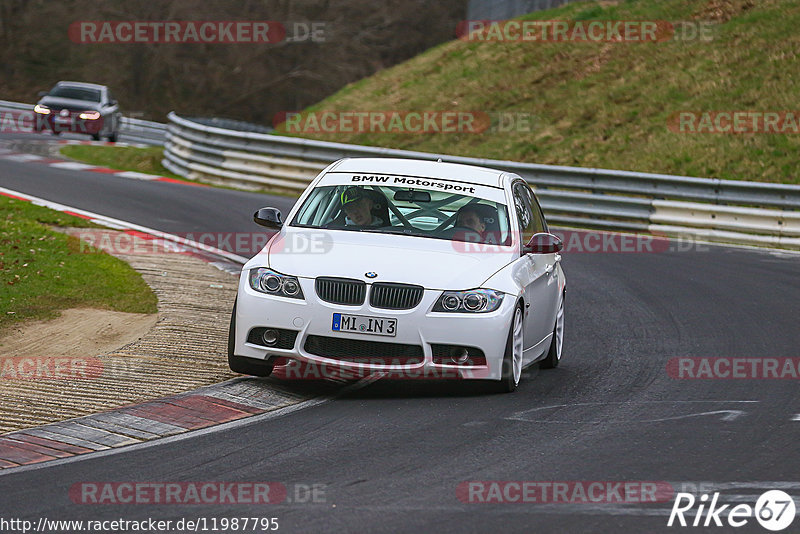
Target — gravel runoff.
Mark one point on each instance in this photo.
(185, 350)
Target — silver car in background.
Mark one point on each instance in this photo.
(77, 107)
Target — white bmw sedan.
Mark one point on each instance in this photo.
(412, 268)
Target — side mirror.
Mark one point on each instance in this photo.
(543, 243)
(269, 217)
(40, 94)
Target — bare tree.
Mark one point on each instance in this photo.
(249, 82)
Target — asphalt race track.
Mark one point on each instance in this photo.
(390, 456)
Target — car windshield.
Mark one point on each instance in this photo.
(76, 93)
(414, 211)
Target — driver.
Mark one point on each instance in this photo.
(358, 206)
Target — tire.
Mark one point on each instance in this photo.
(512, 359)
(557, 344)
(96, 136)
(113, 137)
(240, 364)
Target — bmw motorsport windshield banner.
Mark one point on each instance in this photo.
(415, 182)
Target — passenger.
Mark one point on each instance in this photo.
(470, 217)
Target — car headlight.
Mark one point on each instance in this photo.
(44, 110)
(267, 281)
(90, 115)
(472, 301)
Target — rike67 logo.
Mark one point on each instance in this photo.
(774, 510)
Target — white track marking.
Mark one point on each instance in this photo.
(23, 157)
(136, 175)
(72, 165)
(529, 415)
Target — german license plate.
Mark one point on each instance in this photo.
(362, 324)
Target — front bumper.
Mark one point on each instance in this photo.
(72, 124)
(417, 327)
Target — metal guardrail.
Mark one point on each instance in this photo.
(732, 211)
(146, 131)
(712, 209)
(4, 104)
(134, 130)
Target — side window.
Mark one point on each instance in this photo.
(530, 214)
(524, 213)
(541, 223)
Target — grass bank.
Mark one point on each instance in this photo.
(145, 160)
(606, 104)
(43, 271)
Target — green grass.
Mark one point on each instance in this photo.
(607, 105)
(145, 160)
(43, 271)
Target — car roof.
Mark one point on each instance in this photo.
(421, 168)
(83, 85)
